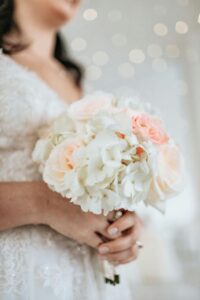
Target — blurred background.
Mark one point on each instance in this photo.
(151, 49)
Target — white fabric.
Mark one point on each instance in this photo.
(36, 262)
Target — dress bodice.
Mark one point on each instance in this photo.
(26, 104)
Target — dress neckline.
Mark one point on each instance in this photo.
(33, 74)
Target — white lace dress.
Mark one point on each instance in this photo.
(35, 261)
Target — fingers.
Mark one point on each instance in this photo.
(122, 243)
(103, 224)
(94, 241)
(110, 216)
(123, 249)
(123, 257)
(125, 222)
(107, 237)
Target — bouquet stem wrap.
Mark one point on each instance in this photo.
(109, 270)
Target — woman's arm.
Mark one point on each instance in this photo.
(22, 203)
(25, 203)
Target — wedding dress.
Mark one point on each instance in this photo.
(35, 261)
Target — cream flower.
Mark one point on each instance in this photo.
(61, 162)
(168, 179)
(85, 108)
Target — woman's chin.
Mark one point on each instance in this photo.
(62, 17)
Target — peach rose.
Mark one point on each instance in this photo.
(169, 179)
(146, 127)
(60, 161)
(84, 109)
(170, 167)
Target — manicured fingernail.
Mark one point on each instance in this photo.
(113, 231)
(103, 250)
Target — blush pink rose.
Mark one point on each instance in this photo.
(146, 127)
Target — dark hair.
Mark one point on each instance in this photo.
(7, 24)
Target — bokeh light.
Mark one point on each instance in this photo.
(137, 56)
(90, 14)
(160, 29)
(181, 27)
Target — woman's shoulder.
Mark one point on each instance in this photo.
(16, 81)
(9, 71)
(21, 91)
(17, 89)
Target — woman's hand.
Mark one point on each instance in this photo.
(87, 228)
(68, 219)
(125, 233)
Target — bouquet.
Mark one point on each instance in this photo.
(106, 154)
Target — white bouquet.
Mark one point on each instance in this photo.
(107, 154)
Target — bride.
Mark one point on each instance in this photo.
(49, 248)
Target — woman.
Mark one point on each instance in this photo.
(49, 248)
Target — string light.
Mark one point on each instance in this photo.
(160, 29)
(90, 14)
(137, 56)
(181, 27)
